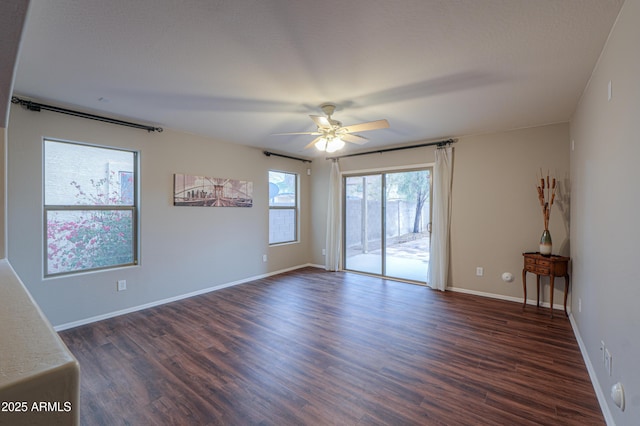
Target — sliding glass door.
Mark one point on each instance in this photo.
(363, 223)
(387, 219)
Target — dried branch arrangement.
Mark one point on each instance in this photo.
(546, 194)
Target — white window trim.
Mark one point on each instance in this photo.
(135, 209)
(296, 210)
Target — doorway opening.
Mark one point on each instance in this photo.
(387, 217)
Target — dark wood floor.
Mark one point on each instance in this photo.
(320, 348)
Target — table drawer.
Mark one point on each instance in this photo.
(543, 262)
(528, 261)
(541, 270)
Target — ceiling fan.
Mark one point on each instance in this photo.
(331, 135)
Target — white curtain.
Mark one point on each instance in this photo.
(334, 209)
(439, 256)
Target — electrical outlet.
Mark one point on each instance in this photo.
(264, 257)
(479, 271)
(608, 360)
(579, 304)
(324, 252)
(602, 349)
(122, 285)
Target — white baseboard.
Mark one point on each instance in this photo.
(484, 294)
(108, 315)
(602, 400)
(503, 297)
(314, 265)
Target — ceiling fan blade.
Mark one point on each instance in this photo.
(313, 142)
(357, 139)
(363, 127)
(296, 133)
(321, 121)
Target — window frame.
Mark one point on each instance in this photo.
(294, 208)
(133, 208)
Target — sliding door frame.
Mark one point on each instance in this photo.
(382, 171)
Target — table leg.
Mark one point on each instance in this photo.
(537, 290)
(524, 287)
(551, 295)
(566, 291)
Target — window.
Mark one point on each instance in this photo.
(90, 207)
(283, 207)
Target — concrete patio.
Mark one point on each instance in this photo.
(407, 260)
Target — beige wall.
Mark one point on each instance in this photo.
(183, 250)
(605, 230)
(3, 223)
(12, 17)
(495, 216)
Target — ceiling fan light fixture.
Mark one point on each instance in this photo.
(329, 144)
(321, 145)
(334, 144)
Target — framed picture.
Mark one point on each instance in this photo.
(203, 191)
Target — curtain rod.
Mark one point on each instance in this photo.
(269, 154)
(35, 106)
(399, 148)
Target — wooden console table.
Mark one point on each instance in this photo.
(552, 266)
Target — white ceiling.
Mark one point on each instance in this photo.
(241, 70)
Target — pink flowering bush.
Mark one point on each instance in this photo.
(90, 238)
